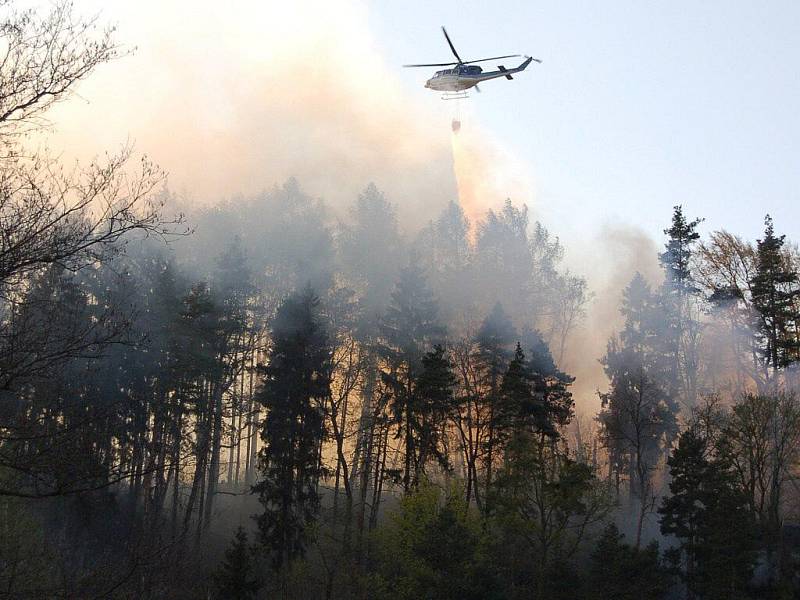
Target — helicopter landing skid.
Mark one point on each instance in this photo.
(455, 95)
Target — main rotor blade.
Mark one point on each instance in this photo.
(469, 62)
(433, 65)
(453, 48)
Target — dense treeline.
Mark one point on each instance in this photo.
(293, 402)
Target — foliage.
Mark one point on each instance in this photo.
(296, 381)
(775, 289)
(235, 579)
(709, 515)
(410, 327)
(619, 571)
(638, 416)
(546, 503)
(432, 546)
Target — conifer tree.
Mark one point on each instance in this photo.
(524, 405)
(410, 327)
(372, 248)
(297, 380)
(638, 416)
(708, 513)
(495, 340)
(621, 572)
(775, 290)
(680, 330)
(551, 382)
(535, 399)
(235, 579)
(676, 259)
(435, 403)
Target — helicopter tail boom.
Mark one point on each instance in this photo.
(525, 64)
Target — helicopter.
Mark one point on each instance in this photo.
(464, 75)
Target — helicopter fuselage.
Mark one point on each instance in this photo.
(463, 77)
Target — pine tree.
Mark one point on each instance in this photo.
(522, 408)
(681, 328)
(638, 416)
(410, 327)
(435, 402)
(621, 572)
(411, 324)
(297, 380)
(676, 259)
(235, 579)
(708, 513)
(495, 336)
(775, 289)
(372, 249)
(495, 340)
(534, 396)
(551, 383)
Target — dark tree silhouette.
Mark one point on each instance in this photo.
(235, 579)
(708, 513)
(296, 383)
(775, 289)
(410, 327)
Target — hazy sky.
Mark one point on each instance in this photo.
(637, 106)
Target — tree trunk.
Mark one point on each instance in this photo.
(216, 450)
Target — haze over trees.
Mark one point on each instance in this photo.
(296, 402)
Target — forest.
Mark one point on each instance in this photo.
(271, 398)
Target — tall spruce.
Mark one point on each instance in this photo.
(638, 415)
(524, 407)
(775, 290)
(551, 383)
(435, 402)
(535, 398)
(621, 572)
(708, 513)
(235, 578)
(297, 380)
(681, 331)
(481, 362)
(677, 257)
(410, 327)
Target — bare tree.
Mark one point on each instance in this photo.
(763, 434)
(51, 215)
(725, 265)
(55, 220)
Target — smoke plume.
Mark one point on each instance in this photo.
(232, 101)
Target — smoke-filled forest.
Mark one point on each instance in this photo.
(271, 396)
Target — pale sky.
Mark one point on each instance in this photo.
(638, 105)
